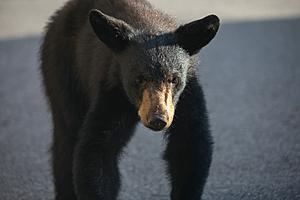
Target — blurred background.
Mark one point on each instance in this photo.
(251, 77)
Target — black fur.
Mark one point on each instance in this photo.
(105, 132)
(90, 63)
(189, 150)
(195, 35)
(114, 33)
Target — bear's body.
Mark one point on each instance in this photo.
(142, 66)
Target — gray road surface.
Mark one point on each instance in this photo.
(251, 77)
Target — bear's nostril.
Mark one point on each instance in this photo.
(157, 123)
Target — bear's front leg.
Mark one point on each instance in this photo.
(189, 150)
(107, 129)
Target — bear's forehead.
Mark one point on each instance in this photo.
(159, 60)
(167, 57)
(161, 51)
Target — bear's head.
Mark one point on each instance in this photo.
(154, 68)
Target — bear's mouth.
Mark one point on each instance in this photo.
(156, 110)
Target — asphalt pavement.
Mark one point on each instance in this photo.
(251, 77)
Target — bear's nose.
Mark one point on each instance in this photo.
(157, 123)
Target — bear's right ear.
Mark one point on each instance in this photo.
(113, 32)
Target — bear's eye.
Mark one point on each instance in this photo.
(140, 80)
(174, 80)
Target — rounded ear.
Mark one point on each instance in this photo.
(195, 35)
(113, 32)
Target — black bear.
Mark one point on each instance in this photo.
(106, 64)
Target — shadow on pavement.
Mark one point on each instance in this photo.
(251, 77)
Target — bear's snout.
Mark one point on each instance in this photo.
(157, 123)
(157, 108)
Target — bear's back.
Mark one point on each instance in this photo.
(140, 14)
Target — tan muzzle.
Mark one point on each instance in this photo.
(157, 108)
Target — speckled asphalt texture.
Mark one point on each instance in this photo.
(251, 76)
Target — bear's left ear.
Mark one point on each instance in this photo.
(113, 32)
(195, 35)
